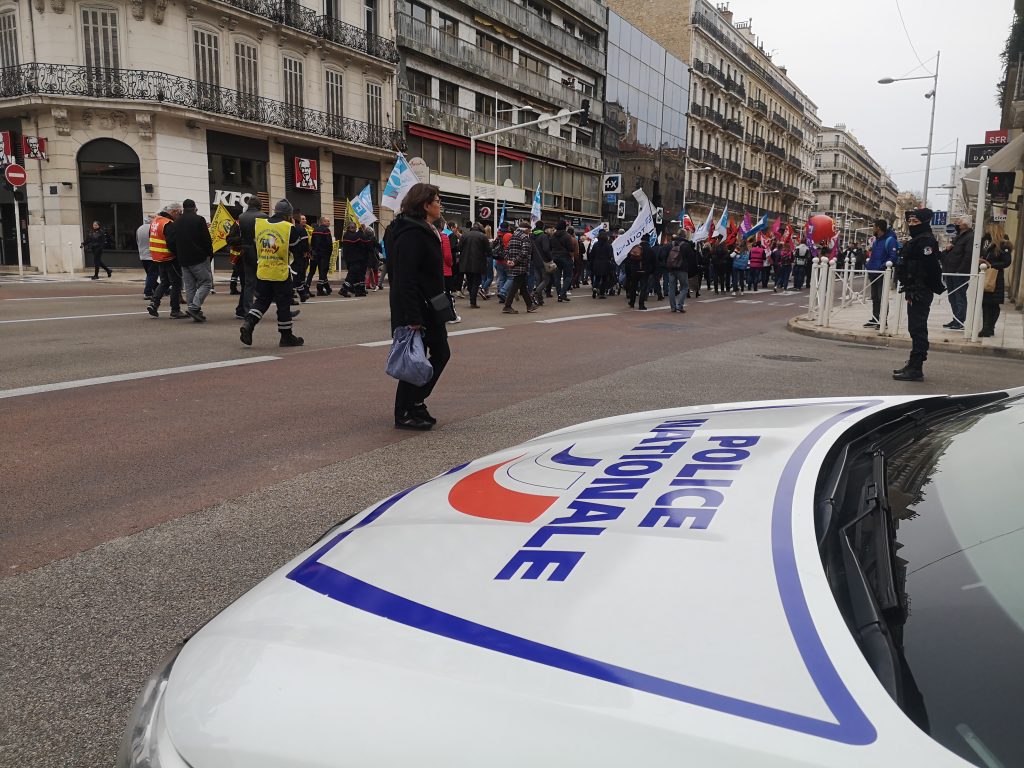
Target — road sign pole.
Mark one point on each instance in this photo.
(17, 227)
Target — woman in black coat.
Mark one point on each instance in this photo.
(416, 271)
(602, 266)
(94, 244)
(997, 252)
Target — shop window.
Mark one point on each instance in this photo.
(110, 190)
(447, 159)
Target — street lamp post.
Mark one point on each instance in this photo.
(933, 95)
(585, 110)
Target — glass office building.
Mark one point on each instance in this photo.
(646, 95)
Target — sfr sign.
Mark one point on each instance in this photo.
(996, 137)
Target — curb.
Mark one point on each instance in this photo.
(874, 340)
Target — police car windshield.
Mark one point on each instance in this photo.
(956, 497)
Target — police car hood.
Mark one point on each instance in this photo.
(643, 590)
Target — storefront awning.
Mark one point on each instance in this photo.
(462, 141)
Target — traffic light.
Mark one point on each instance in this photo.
(585, 114)
(1001, 183)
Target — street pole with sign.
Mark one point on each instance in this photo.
(17, 178)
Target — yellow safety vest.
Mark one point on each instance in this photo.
(272, 255)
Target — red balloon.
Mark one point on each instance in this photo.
(824, 228)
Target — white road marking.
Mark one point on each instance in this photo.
(656, 309)
(70, 317)
(102, 296)
(464, 332)
(575, 317)
(131, 376)
(749, 301)
(711, 301)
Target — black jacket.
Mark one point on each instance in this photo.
(957, 259)
(474, 250)
(998, 258)
(322, 241)
(193, 238)
(561, 245)
(691, 262)
(602, 258)
(95, 242)
(416, 270)
(357, 247)
(919, 271)
(243, 234)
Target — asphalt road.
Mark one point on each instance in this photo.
(134, 510)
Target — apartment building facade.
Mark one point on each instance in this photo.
(140, 103)
(472, 66)
(848, 183)
(751, 130)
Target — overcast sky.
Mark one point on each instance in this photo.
(837, 51)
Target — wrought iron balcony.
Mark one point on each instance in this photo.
(733, 167)
(759, 106)
(752, 175)
(291, 14)
(776, 150)
(778, 119)
(161, 88)
(794, 160)
(734, 127)
(796, 132)
(713, 158)
(734, 87)
(757, 142)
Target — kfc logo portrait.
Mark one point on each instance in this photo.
(306, 174)
(34, 147)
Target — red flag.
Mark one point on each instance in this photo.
(688, 224)
(731, 232)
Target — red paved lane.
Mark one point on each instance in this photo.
(87, 465)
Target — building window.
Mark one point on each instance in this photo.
(419, 12)
(206, 52)
(99, 31)
(533, 65)
(448, 25)
(332, 9)
(569, 27)
(293, 90)
(419, 82)
(370, 14)
(334, 85)
(374, 105)
(8, 39)
(593, 39)
(485, 105)
(246, 69)
(539, 9)
(494, 45)
(447, 93)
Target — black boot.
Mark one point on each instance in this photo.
(321, 289)
(912, 371)
(245, 332)
(289, 339)
(233, 287)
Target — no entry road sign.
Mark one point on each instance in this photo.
(15, 175)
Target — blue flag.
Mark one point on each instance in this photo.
(535, 209)
(758, 228)
(502, 219)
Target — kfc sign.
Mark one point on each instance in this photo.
(306, 177)
(34, 147)
(996, 137)
(230, 199)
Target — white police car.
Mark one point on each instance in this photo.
(806, 582)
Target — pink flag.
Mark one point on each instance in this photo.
(746, 226)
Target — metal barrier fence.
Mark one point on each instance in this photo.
(829, 277)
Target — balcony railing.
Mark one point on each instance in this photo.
(161, 88)
(291, 14)
(441, 45)
(735, 87)
(759, 106)
(776, 150)
(757, 142)
(733, 167)
(778, 119)
(713, 158)
(755, 176)
(794, 160)
(796, 132)
(734, 127)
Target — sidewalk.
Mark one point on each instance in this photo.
(846, 324)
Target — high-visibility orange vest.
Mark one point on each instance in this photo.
(157, 240)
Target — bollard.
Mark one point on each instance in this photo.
(847, 295)
(883, 307)
(812, 290)
(829, 288)
(974, 321)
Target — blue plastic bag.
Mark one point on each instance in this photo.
(407, 360)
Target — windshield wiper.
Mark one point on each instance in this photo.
(868, 544)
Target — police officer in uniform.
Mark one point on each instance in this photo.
(920, 276)
(274, 239)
